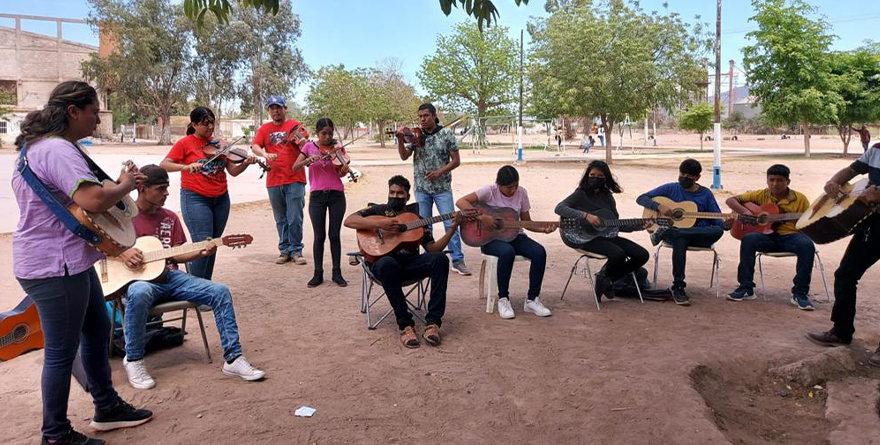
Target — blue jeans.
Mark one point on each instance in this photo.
(180, 286)
(681, 239)
(206, 218)
(288, 202)
(506, 252)
(445, 204)
(73, 316)
(796, 243)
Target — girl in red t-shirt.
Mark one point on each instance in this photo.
(204, 199)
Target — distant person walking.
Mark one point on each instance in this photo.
(864, 136)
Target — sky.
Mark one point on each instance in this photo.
(357, 33)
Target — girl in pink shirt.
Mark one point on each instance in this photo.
(326, 196)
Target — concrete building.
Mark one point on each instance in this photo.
(33, 64)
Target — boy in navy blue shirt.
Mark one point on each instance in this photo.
(703, 234)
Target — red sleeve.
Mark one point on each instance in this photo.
(260, 138)
(177, 235)
(178, 151)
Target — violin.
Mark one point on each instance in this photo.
(235, 155)
(412, 138)
(296, 137)
(337, 155)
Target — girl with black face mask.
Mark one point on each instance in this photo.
(595, 194)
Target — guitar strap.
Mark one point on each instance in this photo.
(60, 211)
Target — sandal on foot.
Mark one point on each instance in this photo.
(432, 335)
(409, 338)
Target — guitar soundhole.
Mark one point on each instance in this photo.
(20, 333)
(677, 214)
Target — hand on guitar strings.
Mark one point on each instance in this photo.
(132, 258)
(664, 210)
(212, 249)
(548, 228)
(593, 219)
(130, 178)
(832, 189)
(392, 225)
(488, 221)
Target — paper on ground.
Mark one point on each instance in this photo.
(305, 411)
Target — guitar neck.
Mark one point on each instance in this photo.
(785, 217)
(624, 222)
(171, 252)
(430, 221)
(709, 215)
(530, 224)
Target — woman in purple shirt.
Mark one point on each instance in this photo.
(506, 192)
(54, 266)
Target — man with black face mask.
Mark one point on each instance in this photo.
(706, 231)
(407, 263)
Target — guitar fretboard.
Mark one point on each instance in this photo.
(171, 252)
(709, 215)
(529, 224)
(624, 222)
(430, 221)
(785, 217)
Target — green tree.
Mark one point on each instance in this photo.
(482, 10)
(391, 98)
(340, 94)
(858, 83)
(219, 57)
(736, 121)
(698, 117)
(788, 66)
(153, 52)
(472, 71)
(611, 59)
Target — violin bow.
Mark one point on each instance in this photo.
(222, 151)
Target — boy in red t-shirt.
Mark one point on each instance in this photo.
(175, 285)
(287, 189)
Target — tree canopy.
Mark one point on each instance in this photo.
(610, 59)
(483, 10)
(698, 117)
(472, 71)
(788, 69)
(858, 83)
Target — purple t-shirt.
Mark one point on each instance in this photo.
(490, 194)
(322, 174)
(41, 245)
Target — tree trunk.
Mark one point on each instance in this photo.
(164, 130)
(806, 127)
(701, 141)
(381, 125)
(845, 133)
(608, 126)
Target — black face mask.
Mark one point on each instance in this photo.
(595, 183)
(686, 182)
(396, 204)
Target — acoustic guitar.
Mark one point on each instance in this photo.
(376, 243)
(830, 219)
(684, 214)
(115, 225)
(576, 231)
(115, 275)
(20, 330)
(766, 217)
(507, 224)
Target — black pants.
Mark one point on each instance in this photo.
(73, 317)
(393, 270)
(321, 203)
(681, 239)
(862, 252)
(624, 256)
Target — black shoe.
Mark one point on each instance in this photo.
(657, 236)
(680, 297)
(875, 359)
(828, 338)
(337, 278)
(316, 280)
(603, 283)
(73, 438)
(742, 293)
(122, 416)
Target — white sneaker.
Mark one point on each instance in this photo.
(536, 307)
(504, 308)
(241, 368)
(138, 377)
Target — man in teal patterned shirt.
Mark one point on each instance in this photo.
(433, 162)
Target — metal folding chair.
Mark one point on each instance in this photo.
(368, 280)
(818, 265)
(588, 274)
(716, 264)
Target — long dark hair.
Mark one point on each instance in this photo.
(196, 116)
(610, 183)
(52, 119)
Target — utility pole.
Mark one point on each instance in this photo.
(519, 129)
(716, 168)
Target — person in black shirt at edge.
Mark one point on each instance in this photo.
(596, 192)
(406, 264)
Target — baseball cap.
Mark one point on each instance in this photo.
(155, 175)
(275, 100)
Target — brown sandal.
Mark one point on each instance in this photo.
(409, 338)
(432, 335)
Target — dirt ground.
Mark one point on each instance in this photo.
(630, 374)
